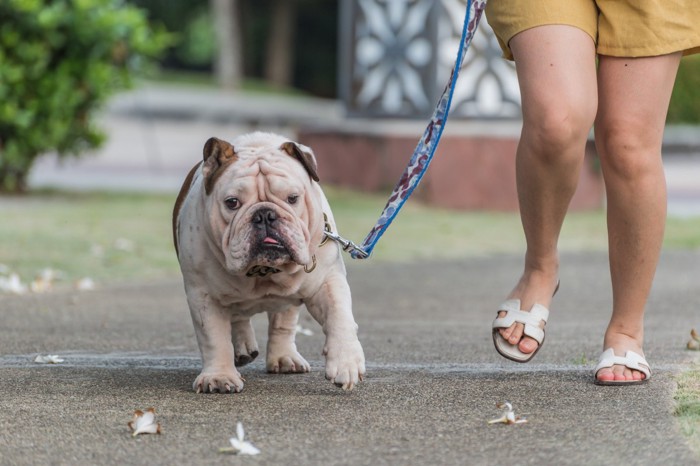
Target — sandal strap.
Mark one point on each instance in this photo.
(630, 360)
(530, 319)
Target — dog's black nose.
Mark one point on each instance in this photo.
(264, 216)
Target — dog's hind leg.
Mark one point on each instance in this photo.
(282, 354)
(245, 346)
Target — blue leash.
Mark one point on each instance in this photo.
(424, 151)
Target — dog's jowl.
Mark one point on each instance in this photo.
(248, 228)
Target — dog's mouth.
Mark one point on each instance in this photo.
(269, 249)
(271, 242)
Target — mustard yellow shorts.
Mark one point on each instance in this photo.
(619, 28)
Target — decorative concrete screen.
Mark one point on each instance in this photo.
(396, 56)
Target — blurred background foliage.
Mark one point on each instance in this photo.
(685, 102)
(313, 50)
(60, 60)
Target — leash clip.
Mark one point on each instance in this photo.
(347, 245)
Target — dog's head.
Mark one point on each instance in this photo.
(263, 204)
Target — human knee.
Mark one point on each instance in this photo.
(628, 151)
(557, 132)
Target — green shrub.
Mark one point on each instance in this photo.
(685, 101)
(59, 61)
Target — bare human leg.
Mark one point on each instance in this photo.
(634, 95)
(557, 74)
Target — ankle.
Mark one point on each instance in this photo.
(622, 341)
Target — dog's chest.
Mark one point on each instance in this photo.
(268, 303)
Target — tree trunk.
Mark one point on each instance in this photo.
(229, 59)
(279, 67)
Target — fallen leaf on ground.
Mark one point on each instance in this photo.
(509, 416)
(49, 359)
(239, 446)
(144, 422)
(44, 281)
(694, 342)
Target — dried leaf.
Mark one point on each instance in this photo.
(44, 280)
(239, 446)
(144, 423)
(49, 359)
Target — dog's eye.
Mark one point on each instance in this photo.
(293, 198)
(232, 203)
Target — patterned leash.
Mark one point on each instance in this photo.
(425, 150)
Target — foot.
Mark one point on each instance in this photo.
(620, 344)
(283, 358)
(532, 289)
(218, 381)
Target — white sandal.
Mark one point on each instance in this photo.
(630, 360)
(531, 320)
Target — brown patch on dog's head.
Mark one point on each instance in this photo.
(305, 157)
(218, 155)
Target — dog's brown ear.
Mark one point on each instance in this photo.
(304, 156)
(218, 155)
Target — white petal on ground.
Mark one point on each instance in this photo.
(48, 359)
(85, 284)
(239, 445)
(508, 417)
(144, 423)
(12, 284)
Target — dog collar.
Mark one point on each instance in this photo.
(261, 271)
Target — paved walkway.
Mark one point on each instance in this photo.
(432, 384)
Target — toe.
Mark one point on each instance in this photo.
(528, 345)
(605, 375)
(516, 334)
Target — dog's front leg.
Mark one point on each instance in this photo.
(331, 306)
(212, 324)
(282, 354)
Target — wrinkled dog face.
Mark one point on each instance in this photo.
(260, 201)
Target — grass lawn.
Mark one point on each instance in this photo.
(687, 399)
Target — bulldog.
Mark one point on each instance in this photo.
(248, 227)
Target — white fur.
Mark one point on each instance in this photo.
(214, 244)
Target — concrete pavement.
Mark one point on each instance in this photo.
(432, 384)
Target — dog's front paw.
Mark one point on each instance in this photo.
(281, 360)
(218, 382)
(345, 363)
